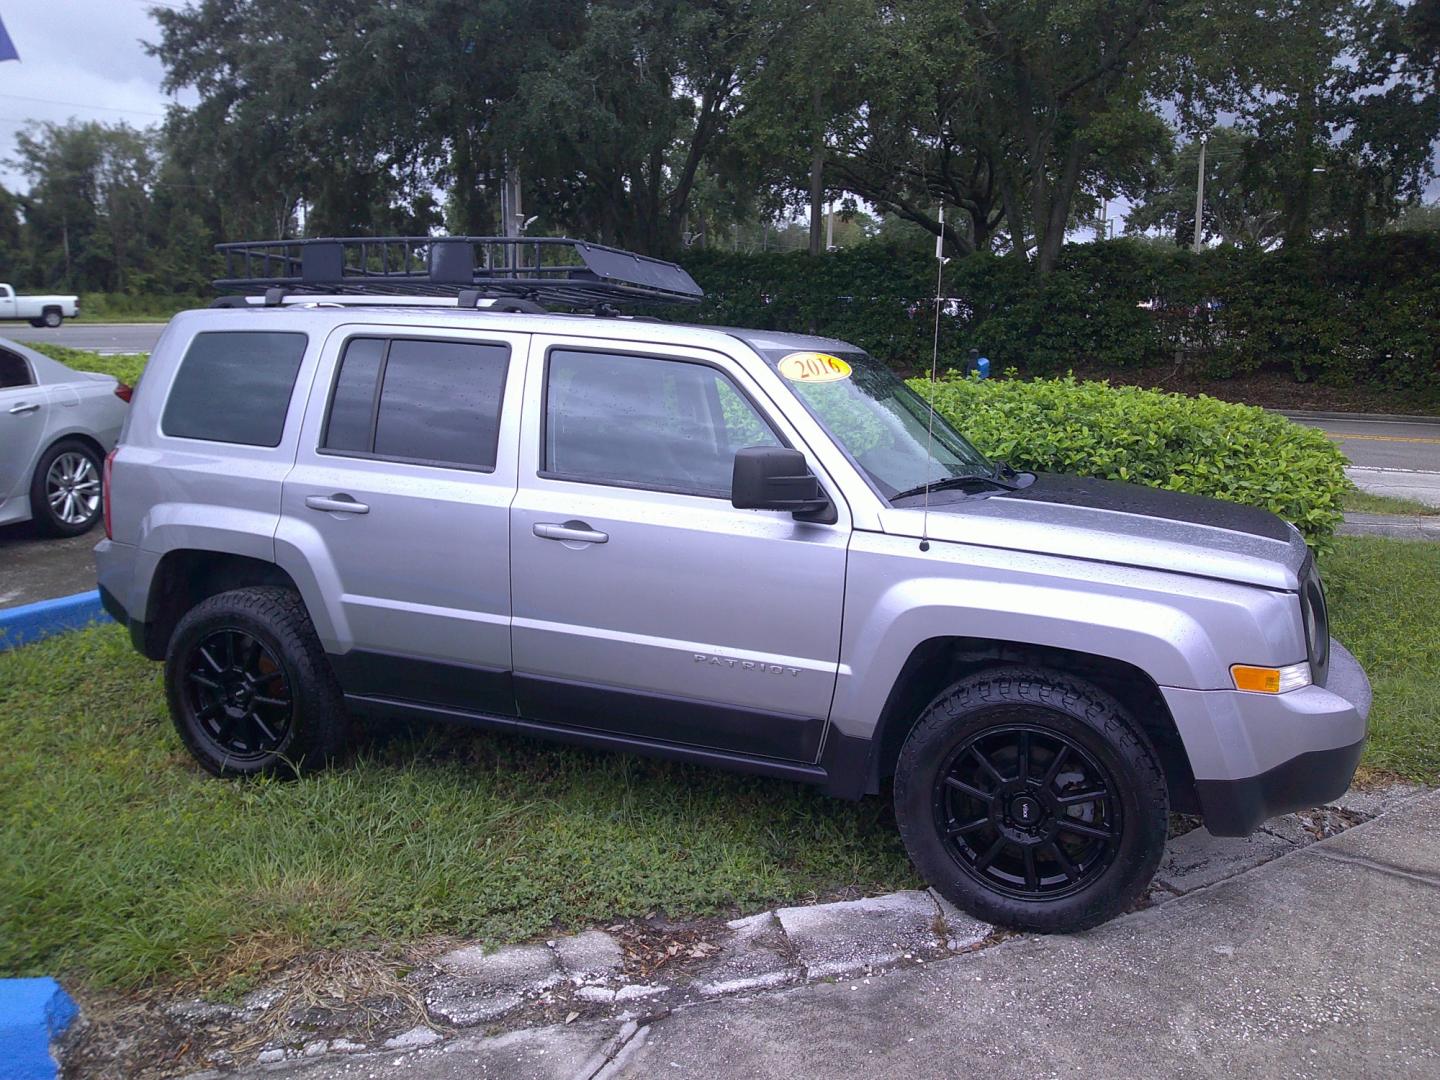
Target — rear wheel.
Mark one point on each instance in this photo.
(250, 689)
(65, 496)
(52, 318)
(1032, 800)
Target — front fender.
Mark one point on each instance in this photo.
(1181, 631)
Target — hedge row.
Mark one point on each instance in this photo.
(1338, 312)
(1195, 444)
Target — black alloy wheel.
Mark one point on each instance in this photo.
(238, 695)
(1027, 811)
(1031, 798)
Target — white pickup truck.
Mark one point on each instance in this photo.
(40, 310)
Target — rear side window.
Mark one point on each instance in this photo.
(14, 371)
(420, 401)
(234, 387)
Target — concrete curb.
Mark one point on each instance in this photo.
(33, 1014)
(1397, 526)
(32, 622)
(1325, 414)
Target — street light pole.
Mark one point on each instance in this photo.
(1200, 192)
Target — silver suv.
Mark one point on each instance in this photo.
(716, 545)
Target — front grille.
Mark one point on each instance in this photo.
(1316, 619)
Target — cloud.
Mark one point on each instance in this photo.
(80, 59)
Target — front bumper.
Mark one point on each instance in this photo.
(1258, 755)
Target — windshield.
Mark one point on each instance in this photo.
(880, 421)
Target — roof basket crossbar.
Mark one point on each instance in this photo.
(526, 270)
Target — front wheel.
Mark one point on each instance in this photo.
(250, 689)
(1031, 799)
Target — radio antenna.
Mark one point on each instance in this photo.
(934, 364)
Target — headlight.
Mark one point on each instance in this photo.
(1270, 680)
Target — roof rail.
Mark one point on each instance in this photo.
(538, 270)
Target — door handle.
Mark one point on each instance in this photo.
(336, 504)
(571, 530)
(24, 407)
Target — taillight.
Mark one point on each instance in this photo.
(123, 391)
(105, 486)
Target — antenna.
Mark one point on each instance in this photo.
(934, 363)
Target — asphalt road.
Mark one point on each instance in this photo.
(102, 337)
(1385, 444)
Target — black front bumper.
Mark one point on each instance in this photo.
(1238, 807)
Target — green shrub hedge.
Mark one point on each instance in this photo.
(125, 366)
(1339, 312)
(1194, 444)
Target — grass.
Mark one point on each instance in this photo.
(126, 367)
(1384, 595)
(124, 864)
(1365, 502)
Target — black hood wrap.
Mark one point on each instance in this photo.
(1152, 503)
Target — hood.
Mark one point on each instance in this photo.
(1104, 521)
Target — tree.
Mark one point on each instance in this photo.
(1242, 203)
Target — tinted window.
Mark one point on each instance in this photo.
(235, 388)
(352, 408)
(651, 423)
(439, 401)
(14, 371)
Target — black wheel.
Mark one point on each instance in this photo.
(249, 687)
(1030, 799)
(65, 495)
(52, 318)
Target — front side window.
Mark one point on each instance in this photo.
(438, 402)
(639, 421)
(14, 371)
(234, 387)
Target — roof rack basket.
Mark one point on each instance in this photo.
(544, 270)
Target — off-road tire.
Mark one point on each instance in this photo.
(1053, 708)
(319, 731)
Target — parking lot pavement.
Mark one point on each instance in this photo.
(102, 337)
(35, 568)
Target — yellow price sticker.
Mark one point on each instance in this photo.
(813, 367)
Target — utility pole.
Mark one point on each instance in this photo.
(830, 229)
(1200, 191)
(512, 217)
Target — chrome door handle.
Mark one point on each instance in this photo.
(571, 530)
(24, 407)
(336, 504)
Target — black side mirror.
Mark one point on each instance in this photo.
(777, 478)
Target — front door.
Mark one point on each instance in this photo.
(644, 603)
(401, 489)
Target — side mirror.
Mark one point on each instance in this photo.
(777, 478)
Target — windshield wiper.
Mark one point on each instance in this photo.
(957, 482)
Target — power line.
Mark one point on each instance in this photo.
(81, 105)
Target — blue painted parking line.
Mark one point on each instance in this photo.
(33, 1013)
(31, 622)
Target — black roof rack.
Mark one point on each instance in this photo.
(544, 270)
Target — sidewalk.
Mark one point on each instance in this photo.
(1322, 962)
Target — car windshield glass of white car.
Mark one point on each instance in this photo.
(878, 420)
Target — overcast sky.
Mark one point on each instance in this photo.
(84, 58)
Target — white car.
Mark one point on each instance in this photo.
(56, 426)
(39, 310)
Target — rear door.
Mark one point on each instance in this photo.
(645, 604)
(24, 413)
(400, 499)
